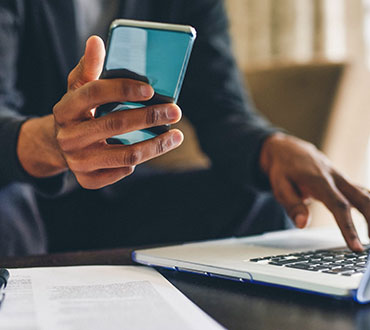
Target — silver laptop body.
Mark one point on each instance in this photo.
(273, 259)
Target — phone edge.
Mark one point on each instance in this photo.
(154, 25)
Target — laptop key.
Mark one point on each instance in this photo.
(260, 259)
(351, 255)
(299, 266)
(360, 269)
(322, 268)
(312, 269)
(274, 263)
(338, 270)
(348, 262)
(288, 261)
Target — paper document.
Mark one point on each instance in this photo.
(95, 298)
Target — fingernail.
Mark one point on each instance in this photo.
(300, 220)
(177, 139)
(146, 90)
(172, 113)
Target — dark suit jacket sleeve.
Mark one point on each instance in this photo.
(213, 97)
(12, 100)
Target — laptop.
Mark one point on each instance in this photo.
(314, 260)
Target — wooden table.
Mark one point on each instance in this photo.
(235, 305)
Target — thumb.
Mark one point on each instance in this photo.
(91, 64)
(288, 196)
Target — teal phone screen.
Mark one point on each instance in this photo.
(158, 57)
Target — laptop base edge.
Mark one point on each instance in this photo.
(353, 295)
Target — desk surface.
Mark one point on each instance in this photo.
(235, 305)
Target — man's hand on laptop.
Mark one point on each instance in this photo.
(298, 172)
(73, 139)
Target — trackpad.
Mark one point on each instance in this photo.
(300, 244)
(302, 239)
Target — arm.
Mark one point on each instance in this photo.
(245, 147)
(73, 139)
(299, 172)
(70, 138)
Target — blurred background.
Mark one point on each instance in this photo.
(300, 30)
(306, 64)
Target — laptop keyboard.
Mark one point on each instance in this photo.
(332, 261)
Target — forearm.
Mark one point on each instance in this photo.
(37, 149)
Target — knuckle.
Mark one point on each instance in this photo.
(160, 146)
(112, 124)
(76, 165)
(125, 89)
(65, 143)
(79, 163)
(57, 112)
(92, 90)
(352, 236)
(349, 226)
(89, 92)
(132, 157)
(73, 165)
(56, 109)
(342, 205)
(152, 116)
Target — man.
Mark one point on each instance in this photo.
(48, 133)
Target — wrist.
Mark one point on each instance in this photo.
(37, 150)
(267, 150)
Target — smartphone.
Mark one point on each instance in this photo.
(155, 53)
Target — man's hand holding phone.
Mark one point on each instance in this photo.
(80, 139)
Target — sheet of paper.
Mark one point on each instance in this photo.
(97, 297)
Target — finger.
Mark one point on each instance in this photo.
(359, 197)
(287, 195)
(115, 156)
(90, 66)
(77, 106)
(102, 178)
(340, 207)
(118, 122)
